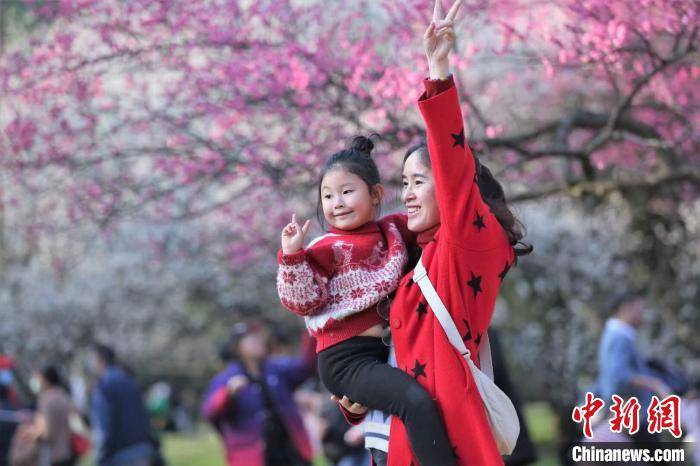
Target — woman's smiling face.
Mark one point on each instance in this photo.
(418, 194)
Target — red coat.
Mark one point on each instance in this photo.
(466, 261)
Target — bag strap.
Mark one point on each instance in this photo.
(485, 361)
(420, 276)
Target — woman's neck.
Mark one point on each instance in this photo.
(253, 367)
(426, 236)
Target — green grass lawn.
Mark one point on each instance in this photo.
(199, 448)
(203, 447)
(542, 426)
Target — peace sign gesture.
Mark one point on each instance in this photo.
(439, 39)
(293, 235)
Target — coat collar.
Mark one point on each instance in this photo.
(424, 237)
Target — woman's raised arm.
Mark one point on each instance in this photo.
(451, 159)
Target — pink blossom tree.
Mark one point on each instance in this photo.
(224, 110)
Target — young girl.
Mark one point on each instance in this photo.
(338, 282)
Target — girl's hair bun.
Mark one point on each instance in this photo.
(362, 144)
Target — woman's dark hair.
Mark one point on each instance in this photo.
(53, 377)
(356, 159)
(493, 195)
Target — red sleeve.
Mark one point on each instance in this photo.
(435, 86)
(353, 419)
(451, 159)
(216, 404)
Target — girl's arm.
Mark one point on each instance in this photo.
(302, 288)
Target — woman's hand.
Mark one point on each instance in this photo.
(354, 408)
(439, 40)
(236, 383)
(293, 236)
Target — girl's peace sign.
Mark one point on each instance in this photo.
(293, 235)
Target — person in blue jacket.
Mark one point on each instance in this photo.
(623, 369)
(121, 427)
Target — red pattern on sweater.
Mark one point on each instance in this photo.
(336, 282)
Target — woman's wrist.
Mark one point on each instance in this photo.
(439, 69)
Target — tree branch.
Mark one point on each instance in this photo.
(604, 188)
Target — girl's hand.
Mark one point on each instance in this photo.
(439, 40)
(293, 236)
(354, 408)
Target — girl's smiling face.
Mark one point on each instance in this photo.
(348, 203)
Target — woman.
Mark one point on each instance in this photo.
(250, 402)
(467, 237)
(54, 410)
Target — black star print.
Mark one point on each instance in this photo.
(418, 370)
(475, 284)
(503, 273)
(422, 309)
(454, 451)
(459, 139)
(478, 339)
(479, 222)
(468, 335)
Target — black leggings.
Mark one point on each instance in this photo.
(357, 368)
